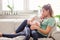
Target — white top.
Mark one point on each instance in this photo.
(37, 19)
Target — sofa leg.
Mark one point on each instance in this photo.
(52, 37)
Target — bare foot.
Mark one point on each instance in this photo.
(0, 34)
(13, 33)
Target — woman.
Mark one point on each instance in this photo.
(36, 31)
(46, 25)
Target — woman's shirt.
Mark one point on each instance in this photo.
(47, 22)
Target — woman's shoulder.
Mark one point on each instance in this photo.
(51, 19)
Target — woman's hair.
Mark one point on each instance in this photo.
(48, 7)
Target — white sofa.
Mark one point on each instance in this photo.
(11, 26)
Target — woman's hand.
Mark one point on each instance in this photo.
(33, 27)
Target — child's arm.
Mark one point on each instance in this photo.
(30, 21)
(37, 23)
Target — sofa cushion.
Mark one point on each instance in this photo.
(22, 38)
(16, 38)
(42, 38)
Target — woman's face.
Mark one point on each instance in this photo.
(45, 13)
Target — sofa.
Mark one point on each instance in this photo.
(12, 25)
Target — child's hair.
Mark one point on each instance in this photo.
(48, 7)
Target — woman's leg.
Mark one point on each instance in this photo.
(40, 35)
(25, 32)
(36, 35)
(13, 35)
(22, 26)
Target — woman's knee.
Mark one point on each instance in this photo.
(25, 20)
(34, 33)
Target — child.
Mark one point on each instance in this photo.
(35, 21)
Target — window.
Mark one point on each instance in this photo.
(17, 4)
(33, 5)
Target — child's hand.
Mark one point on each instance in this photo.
(33, 27)
(37, 23)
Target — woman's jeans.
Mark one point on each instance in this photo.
(35, 35)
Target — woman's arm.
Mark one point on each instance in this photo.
(48, 29)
